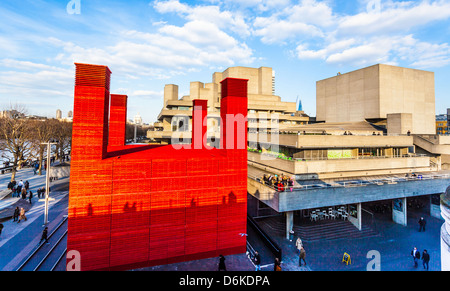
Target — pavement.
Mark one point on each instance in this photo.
(393, 242)
(18, 240)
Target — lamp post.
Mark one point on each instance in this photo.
(137, 121)
(47, 182)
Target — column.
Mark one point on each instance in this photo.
(289, 222)
(399, 213)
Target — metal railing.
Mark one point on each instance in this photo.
(267, 240)
(350, 183)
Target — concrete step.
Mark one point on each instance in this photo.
(320, 230)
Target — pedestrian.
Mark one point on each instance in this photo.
(301, 257)
(16, 214)
(277, 265)
(26, 185)
(222, 266)
(24, 193)
(30, 197)
(1, 228)
(44, 236)
(422, 223)
(299, 244)
(18, 190)
(425, 259)
(416, 256)
(22, 215)
(257, 260)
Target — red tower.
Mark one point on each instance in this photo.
(143, 205)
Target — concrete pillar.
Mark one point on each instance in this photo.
(399, 213)
(358, 220)
(289, 222)
(445, 231)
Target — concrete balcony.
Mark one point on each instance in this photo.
(337, 168)
(332, 141)
(326, 195)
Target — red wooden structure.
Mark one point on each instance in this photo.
(142, 205)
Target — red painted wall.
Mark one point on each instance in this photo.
(144, 205)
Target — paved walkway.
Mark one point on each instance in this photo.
(18, 240)
(393, 242)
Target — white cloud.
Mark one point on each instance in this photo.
(395, 17)
(378, 36)
(212, 15)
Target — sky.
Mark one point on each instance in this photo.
(148, 44)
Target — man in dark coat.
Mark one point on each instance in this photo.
(422, 223)
(416, 256)
(222, 263)
(44, 235)
(257, 260)
(16, 214)
(425, 259)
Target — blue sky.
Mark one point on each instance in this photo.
(148, 44)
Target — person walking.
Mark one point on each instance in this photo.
(22, 215)
(277, 265)
(416, 256)
(16, 214)
(425, 259)
(44, 236)
(30, 196)
(24, 193)
(301, 257)
(222, 266)
(299, 244)
(257, 260)
(422, 223)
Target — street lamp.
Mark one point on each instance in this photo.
(137, 121)
(47, 182)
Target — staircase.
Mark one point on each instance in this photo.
(328, 229)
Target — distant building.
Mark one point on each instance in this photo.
(137, 119)
(442, 125)
(58, 114)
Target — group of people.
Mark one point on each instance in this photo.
(19, 214)
(21, 190)
(416, 257)
(18, 189)
(280, 183)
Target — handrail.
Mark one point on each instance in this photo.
(354, 183)
(40, 246)
(267, 240)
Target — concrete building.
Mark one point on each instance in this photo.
(175, 118)
(374, 141)
(402, 98)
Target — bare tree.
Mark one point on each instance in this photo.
(63, 138)
(43, 131)
(16, 136)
